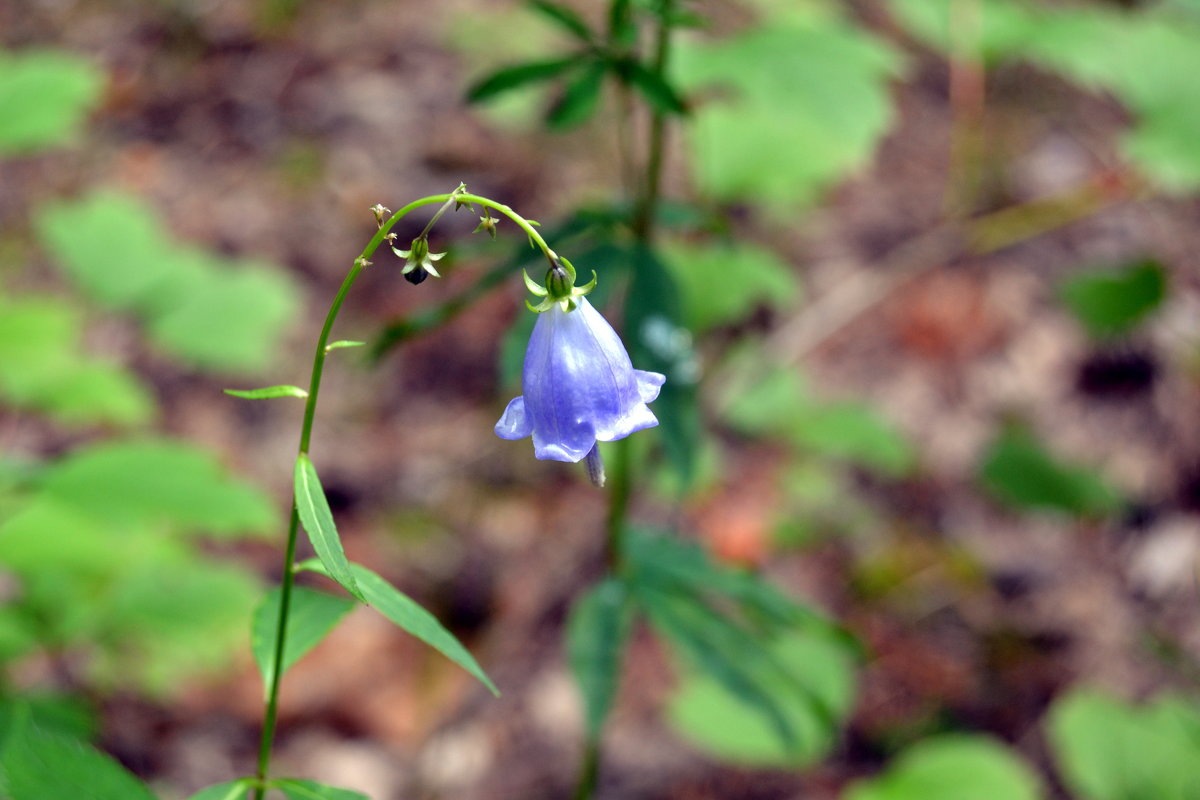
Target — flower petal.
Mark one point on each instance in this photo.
(648, 384)
(514, 422)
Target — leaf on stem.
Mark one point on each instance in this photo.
(294, 789)
(654, 88)
(597, 630)
(312, 616)
(566, 18)
(509, 78)
(232, 790)
(267, 392)
(314, 512)
(579, 98)
(410, 616)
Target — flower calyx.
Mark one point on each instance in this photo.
(560, 288)
(487, 223)
(418, 260)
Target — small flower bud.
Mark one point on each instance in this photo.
(559, 282)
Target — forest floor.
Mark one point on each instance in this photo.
(273, 142)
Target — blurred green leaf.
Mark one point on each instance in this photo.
(112, 245)
(726, 624)
(176, 615)
(780, 404)
(718, 721)
(786, 109)
(1018, 471)
(311, 790)
(312, 616)
(723, 283)
(566, 18)
(36, 764)
(730, 657)
(159, 480)
(1145, 57)
(597, 630)
(999, 28)
(951, 767)
(59, 714)
(233, 790)
(579, 98)
(43, 367)
(411, 617)
(659, 342)
(317, 519)
(44, 97)
(1111, 303)
(213, 313)
(1107, 749)
(661, 95)
(268, 392)
(509, 78)
(221, 316)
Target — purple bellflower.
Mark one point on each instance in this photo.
(579, 385)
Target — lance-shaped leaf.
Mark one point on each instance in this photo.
(513, 77)
(579, 98)
(409, 615)
(566, 18)
(317, 519)
(596, 634)
(312, 616)
(311, 790)
(268, 392)
(233, 790)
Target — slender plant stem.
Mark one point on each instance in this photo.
(271, 714)
(645, 214)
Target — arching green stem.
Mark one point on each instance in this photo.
(271, 714)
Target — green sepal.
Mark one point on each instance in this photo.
(533, 286)
(543, 306)
(580, 291)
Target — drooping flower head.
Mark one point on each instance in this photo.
(579, 386)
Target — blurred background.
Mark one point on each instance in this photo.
(932, 272)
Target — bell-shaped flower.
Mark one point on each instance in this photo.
(579, 386)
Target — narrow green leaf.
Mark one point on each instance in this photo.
(409, 615)
(233, 790)
(311, 790)
(268, 392)
(312, 616)
(513, 77)
(711, 645)
(621, 27)
(579, 98)
(711, 717)
(566, 18)
(318, 524)
(658, 93)
(38, 765)
(597, 630)
(338, 345)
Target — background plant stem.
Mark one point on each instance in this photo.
(642, 224)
